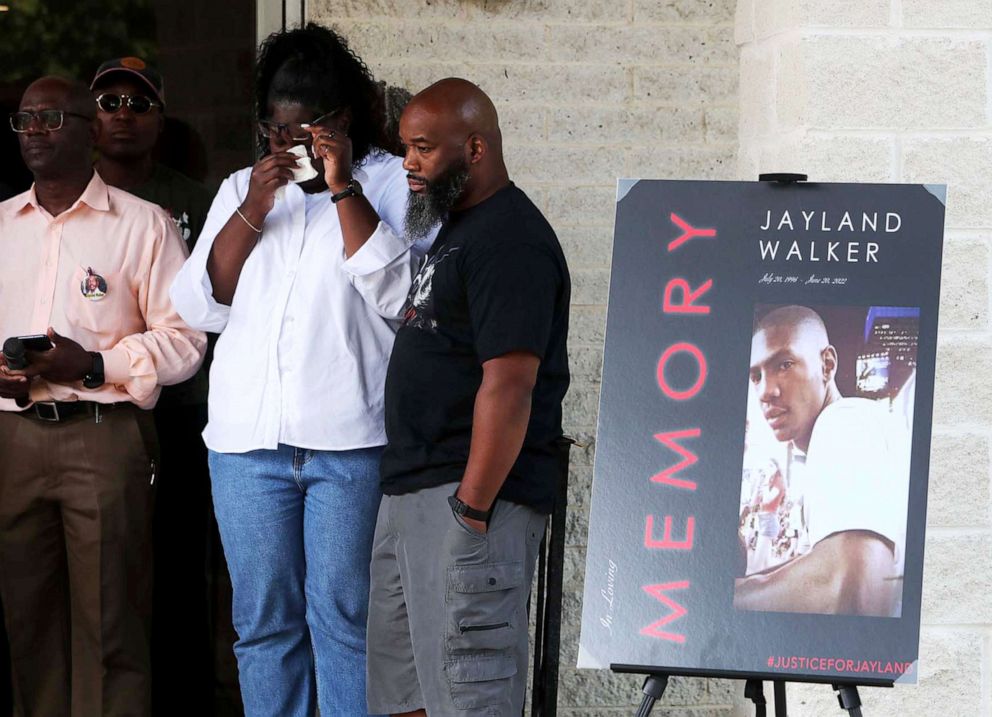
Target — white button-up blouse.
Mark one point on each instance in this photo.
(303, 348)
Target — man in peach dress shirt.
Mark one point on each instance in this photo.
(77, 442)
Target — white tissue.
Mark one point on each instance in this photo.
(304, 170)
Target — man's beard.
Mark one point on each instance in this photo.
(426, 210)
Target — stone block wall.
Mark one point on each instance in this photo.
(899, 91)
(587, 91)
(845, 90)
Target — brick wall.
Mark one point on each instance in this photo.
(587, 91)
(899, 91)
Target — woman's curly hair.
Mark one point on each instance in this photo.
(314, 66)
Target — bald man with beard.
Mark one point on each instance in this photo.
(856, 477)
(473, 423)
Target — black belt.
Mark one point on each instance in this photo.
(61, 411)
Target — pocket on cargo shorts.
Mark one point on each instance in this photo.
(481, 683)
(482, 607)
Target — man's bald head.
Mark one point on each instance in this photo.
(462, 107)
(798, 321)
(75, 96)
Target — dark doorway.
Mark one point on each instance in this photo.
(204, 50)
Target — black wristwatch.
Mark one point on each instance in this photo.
(459, 507)
(352, 189)
(95, 378)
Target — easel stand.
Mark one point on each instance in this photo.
(654, 688)
(656, 683)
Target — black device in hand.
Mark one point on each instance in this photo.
(14, 353)
(36, 342)
(15, 347)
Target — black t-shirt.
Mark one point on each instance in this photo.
(186, 200)
(494, 282)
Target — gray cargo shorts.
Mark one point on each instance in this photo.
(448, 607)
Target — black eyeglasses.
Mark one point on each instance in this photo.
(295, 131)
(139, 104)
(50, 120)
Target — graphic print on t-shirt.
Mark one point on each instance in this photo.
(181, 220)
(419, 310)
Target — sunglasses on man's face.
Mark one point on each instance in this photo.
(48, 120)
(112, 103)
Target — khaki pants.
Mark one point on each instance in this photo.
(75, 561)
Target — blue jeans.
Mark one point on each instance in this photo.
(297, 531)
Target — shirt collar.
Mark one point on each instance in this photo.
(22, 201)
(96, 196)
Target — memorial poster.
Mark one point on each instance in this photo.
(759, 492)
